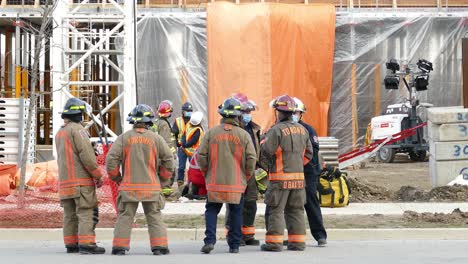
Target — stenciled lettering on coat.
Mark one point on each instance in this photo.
(227, 137)
(293, 131)
(140, 140)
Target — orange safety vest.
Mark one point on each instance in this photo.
(189, 132)
(180, 123)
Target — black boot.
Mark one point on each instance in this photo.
(270, 247)
(233, 250)
(252, 242)
(91, 249)
(295, 248)
(72, 249)
(207, 248)
(118, 252)
(160, 251)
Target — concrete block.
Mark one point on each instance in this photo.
(443, 172)
(443, 115)
(457, 150)
(448, 132)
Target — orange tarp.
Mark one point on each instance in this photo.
(268, 49)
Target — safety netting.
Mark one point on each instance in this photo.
(39, 205)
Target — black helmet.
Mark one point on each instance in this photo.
(141, 114)
(230, 107)
(187, 107)
(74, 106)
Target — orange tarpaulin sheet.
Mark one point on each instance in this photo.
(268, 49)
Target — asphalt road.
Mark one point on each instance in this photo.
(380, 252)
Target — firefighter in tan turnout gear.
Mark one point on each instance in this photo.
(227, 157)
(147, 165)
(284, 151)
(79, 175)
(162, 127)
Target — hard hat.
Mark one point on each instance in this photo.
(164, 109)
(74, 106)
(299, 105)
(141, 114)
(187, 107)
(284, 103)
(231, 107)
(196, 118)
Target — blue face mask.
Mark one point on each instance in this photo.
(295, 118)
(246, 118)
(187, 114)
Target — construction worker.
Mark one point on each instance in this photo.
(162, 127)
(178, 129)
(312, 173)
(79, 175)
(147, 164)
(227, 157)
(285, 150)
(191, 139)
(251, 192)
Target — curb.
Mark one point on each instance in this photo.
(177, 234)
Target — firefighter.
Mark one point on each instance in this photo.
(285, 150)
(251, 192)
(79, 175)
(162, 127)
(312, 173)
(227, 157)
(178, 129)
(147, 164)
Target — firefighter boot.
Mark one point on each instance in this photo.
(72, 249)
(252, 242)
(160, 251)
(91, 249)
(271, 247)
(118, 252)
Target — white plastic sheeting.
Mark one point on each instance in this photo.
(368, 42)
(171, 64)
(170, 44)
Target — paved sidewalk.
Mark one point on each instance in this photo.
(352, 209)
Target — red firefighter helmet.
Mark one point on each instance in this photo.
(284, 103)
(165, 109)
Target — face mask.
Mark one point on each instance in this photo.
(295, 118)
(246, 118)
(187, 114)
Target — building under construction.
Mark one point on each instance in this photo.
(115, 53)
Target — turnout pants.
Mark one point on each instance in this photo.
(123, 226)
(313, 211)
(78, 224)
(235, 221)
(284, 205)
(249, 210)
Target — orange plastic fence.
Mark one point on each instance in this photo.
(268, 49)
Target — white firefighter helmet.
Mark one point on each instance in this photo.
(299, 105)
(196, 118)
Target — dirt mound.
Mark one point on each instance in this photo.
(438, 194)
(362, 191)
(455, 217)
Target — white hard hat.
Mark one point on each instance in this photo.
(299, 105)
(196, 118)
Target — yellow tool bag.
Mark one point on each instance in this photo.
(333, 190)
